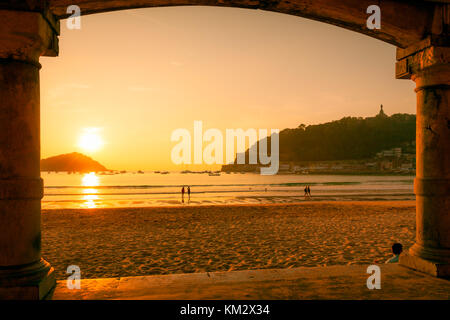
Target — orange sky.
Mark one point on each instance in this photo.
(137, 75)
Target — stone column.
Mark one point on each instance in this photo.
(428, 64)
(24, 36)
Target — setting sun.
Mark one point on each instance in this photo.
(90, 140)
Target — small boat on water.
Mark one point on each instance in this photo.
(107, 173)
(164, 172)
(214, 174)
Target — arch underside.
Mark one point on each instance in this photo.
(402, 22)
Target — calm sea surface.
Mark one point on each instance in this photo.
(153, 189)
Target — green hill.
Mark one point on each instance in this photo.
(350, 138)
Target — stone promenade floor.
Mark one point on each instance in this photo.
(335, 282)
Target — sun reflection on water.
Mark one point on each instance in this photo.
(90, 180)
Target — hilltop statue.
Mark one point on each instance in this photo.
(381, 113)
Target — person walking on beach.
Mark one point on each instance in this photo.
(189, 192)
(306, 192)
(397, 249)
(309, 192)
(182, 194)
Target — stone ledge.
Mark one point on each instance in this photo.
(336, 282)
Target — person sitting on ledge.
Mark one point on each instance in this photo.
(397, 248)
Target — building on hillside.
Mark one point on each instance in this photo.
(397, 152)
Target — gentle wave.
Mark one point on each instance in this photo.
(288, 184)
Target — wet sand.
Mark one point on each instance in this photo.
(162, 240)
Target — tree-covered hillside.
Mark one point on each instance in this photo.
(346, 139)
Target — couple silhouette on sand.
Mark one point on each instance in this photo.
(307, 192)
(183, 191)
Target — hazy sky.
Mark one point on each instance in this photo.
(137, 75)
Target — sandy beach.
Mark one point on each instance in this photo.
(162, 240)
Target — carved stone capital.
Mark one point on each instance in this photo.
(425, 57)
(26, 36)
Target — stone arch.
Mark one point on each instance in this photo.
(349, 14)
(30, 29)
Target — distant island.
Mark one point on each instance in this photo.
(71, 162)
(352, 145)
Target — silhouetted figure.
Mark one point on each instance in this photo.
(182, 194)
(309, 191)
(189, 193)
(306, 192)
(397, 249)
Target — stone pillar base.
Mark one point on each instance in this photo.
(436, 269)
(30, 282)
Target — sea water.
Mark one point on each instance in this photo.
(133, 189)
